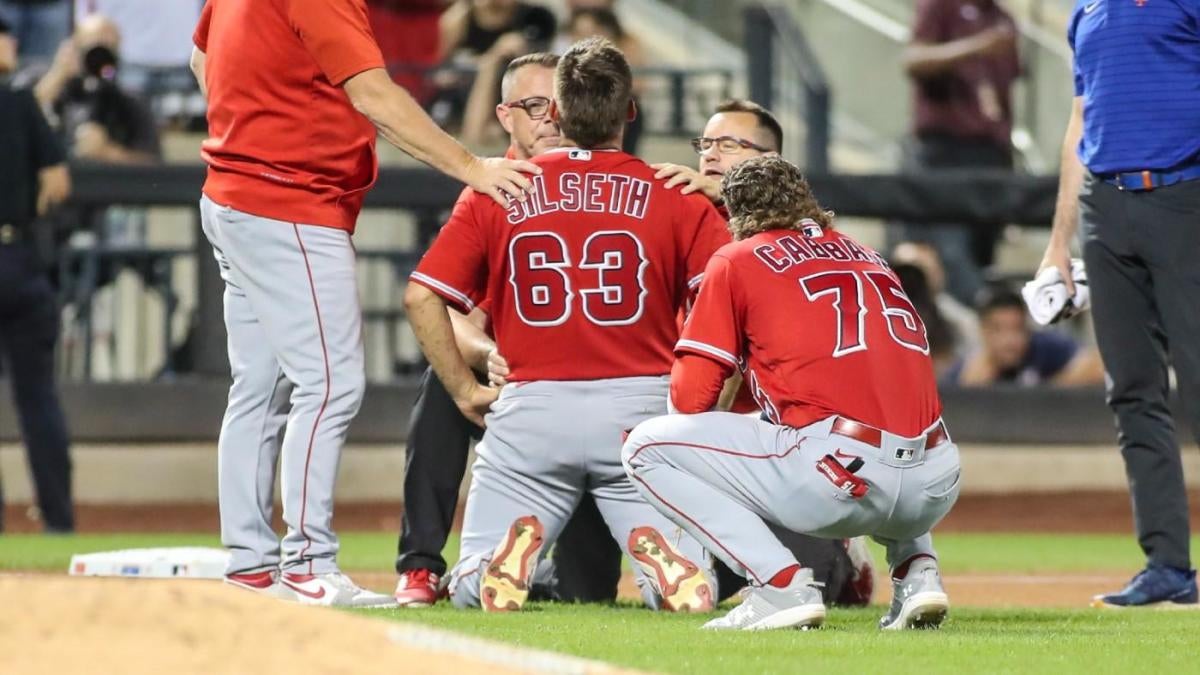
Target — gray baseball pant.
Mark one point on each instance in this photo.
(546, 444)
(295, 351)
(722, 477)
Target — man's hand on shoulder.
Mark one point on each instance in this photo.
(691, 180)
(497, 177)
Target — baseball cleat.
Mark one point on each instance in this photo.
(798, 605)
(1155, 586)
(679, 582)
(333, 590)
(417, 588)
(918, 600)
(265, 582)
(253, 581)
(505, 583)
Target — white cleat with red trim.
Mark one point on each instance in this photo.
(799, 605)
(265, 582)
(333, 590)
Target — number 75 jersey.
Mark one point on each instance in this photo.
(587, 276)
(821, 326)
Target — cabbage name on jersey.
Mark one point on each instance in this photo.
(820, 325)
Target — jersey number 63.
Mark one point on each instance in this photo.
(544, 296)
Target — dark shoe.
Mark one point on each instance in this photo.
(1155, 585)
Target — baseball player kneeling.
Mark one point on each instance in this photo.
(838, 359)
(586, 277)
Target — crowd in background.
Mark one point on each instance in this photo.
(106, 72)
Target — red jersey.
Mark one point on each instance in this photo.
(284, 140)
(586, 276)
(822, 327)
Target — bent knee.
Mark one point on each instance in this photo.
(640, 446)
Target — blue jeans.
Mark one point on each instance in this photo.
(39, 27)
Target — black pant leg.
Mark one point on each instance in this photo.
(439, 439)
(587, 561)
(1169, 221)
(28, 338)
(1132, 341)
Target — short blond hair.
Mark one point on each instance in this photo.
(543, 59)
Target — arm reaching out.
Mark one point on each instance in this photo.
(691, 180)
(405, 125)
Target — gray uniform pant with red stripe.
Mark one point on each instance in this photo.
(295, 351)
(722, 477)
(546, 444)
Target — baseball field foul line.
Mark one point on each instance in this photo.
(506, 656)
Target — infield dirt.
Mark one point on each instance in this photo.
(133, 626)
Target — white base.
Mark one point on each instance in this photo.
(189, 562)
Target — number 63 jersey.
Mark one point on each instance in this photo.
(587, 275)
(821, 326)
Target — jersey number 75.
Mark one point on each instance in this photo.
(846, 289)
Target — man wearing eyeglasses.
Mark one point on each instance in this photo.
(587, 563)
(586, 279)
(738, 130)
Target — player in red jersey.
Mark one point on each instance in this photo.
(838, 359)
(585, 277)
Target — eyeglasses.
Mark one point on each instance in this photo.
(728, 145)
(534, 106)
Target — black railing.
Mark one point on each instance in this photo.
(973, 197)
(777, 53)
(966, 197)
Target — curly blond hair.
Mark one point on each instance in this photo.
(770, 193)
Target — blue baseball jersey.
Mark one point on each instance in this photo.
(1137, 67)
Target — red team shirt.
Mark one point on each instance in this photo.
(586, 277)
(284, 140)
(823, 327)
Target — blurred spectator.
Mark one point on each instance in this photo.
(153, 33)
(480, 125)
(33, 179)
(963, 321)
(99, 122)
(942, 343)
(475, 27)
(484, 35)
(1012, 353)
(479, 121)
(962, 62)
(37, 25)
(573, 5)
(98, 119)
(408, 37)
(597, 21)
(154, 52)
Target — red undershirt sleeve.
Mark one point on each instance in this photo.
(696, 383)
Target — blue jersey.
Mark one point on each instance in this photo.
(1137, 67)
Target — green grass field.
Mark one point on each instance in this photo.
(973, 640)
(375, 551)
